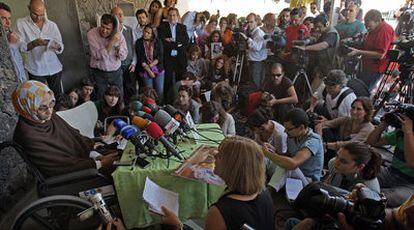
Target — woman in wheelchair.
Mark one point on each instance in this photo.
(50, 143)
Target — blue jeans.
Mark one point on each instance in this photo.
(257, 72)
(156, 83)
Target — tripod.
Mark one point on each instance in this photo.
(238, 69)
(302, 73)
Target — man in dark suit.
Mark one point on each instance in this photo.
(128, 65)
(175, 39)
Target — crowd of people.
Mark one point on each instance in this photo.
(190, 62)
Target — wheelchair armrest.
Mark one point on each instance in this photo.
(75, 176)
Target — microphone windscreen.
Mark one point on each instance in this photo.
(154, 130)
(146, 109)
(150, 101)
(119, 124)
(145, 115)
(174, 112)
(162, 118)
(140, 122)
(136, 106)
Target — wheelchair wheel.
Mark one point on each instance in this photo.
(55, 212)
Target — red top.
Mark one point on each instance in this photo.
(292, 33)
(378, 40)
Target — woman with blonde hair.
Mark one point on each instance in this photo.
(240, 163)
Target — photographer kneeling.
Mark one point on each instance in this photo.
(397, 181)
(338, 98)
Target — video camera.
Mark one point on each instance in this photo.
(299, 55)
(368, 212)
(356, 41)
(406, 22)
(277, 40)
(241, 42)
(395, 111)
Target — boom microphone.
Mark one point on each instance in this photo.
(155, 131)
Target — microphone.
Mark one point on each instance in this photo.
(136, 106)
(178, 116)
(146, 109)
(140, 122)
(144, 115)
(152, 105)
(133, 134)
(169, 124)
(155, 131)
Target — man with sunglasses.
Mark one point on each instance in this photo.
(282, 90)
(42, 43)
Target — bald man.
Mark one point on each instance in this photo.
(42, 42)
(128, 65)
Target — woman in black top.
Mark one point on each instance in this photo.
(150, 61)
(240, 163)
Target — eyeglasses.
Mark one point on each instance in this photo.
(277, 75)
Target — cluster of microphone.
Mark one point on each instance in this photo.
(153, 123)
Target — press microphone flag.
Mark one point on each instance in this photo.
(155, 131)
(164, 119)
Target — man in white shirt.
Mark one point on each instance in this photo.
(338, 97)
(257, 51)
(14, 42)
(42, 42)
(195, 21)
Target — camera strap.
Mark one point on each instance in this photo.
(342, 97)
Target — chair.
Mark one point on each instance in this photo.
(67, 184)
(82, 117)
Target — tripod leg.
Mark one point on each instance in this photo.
(308, 83)
(235, 68)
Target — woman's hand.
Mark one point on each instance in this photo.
(170, 218)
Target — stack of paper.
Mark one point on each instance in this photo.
(157, 197)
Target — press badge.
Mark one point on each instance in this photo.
(174, 53)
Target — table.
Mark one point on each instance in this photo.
(194, 197)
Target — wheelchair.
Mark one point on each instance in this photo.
(63, 202)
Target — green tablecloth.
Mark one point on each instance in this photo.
(194, 197)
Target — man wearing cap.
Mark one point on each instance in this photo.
(337, 97)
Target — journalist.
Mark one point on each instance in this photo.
(257, 52)
(325, 46)
(397, 180)
(376, 44)
(240, 163)
(304, 147)
(337, 97)
(351, 26)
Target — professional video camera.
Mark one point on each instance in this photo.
(299, 55)
(241, 43)
(356, 41)
(368, 212)
(406, 22)
(395, 111)
(277, 40)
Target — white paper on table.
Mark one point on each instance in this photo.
(293, 188)
(122, 144)
(157, 196)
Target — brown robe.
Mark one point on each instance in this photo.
(54, 146)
